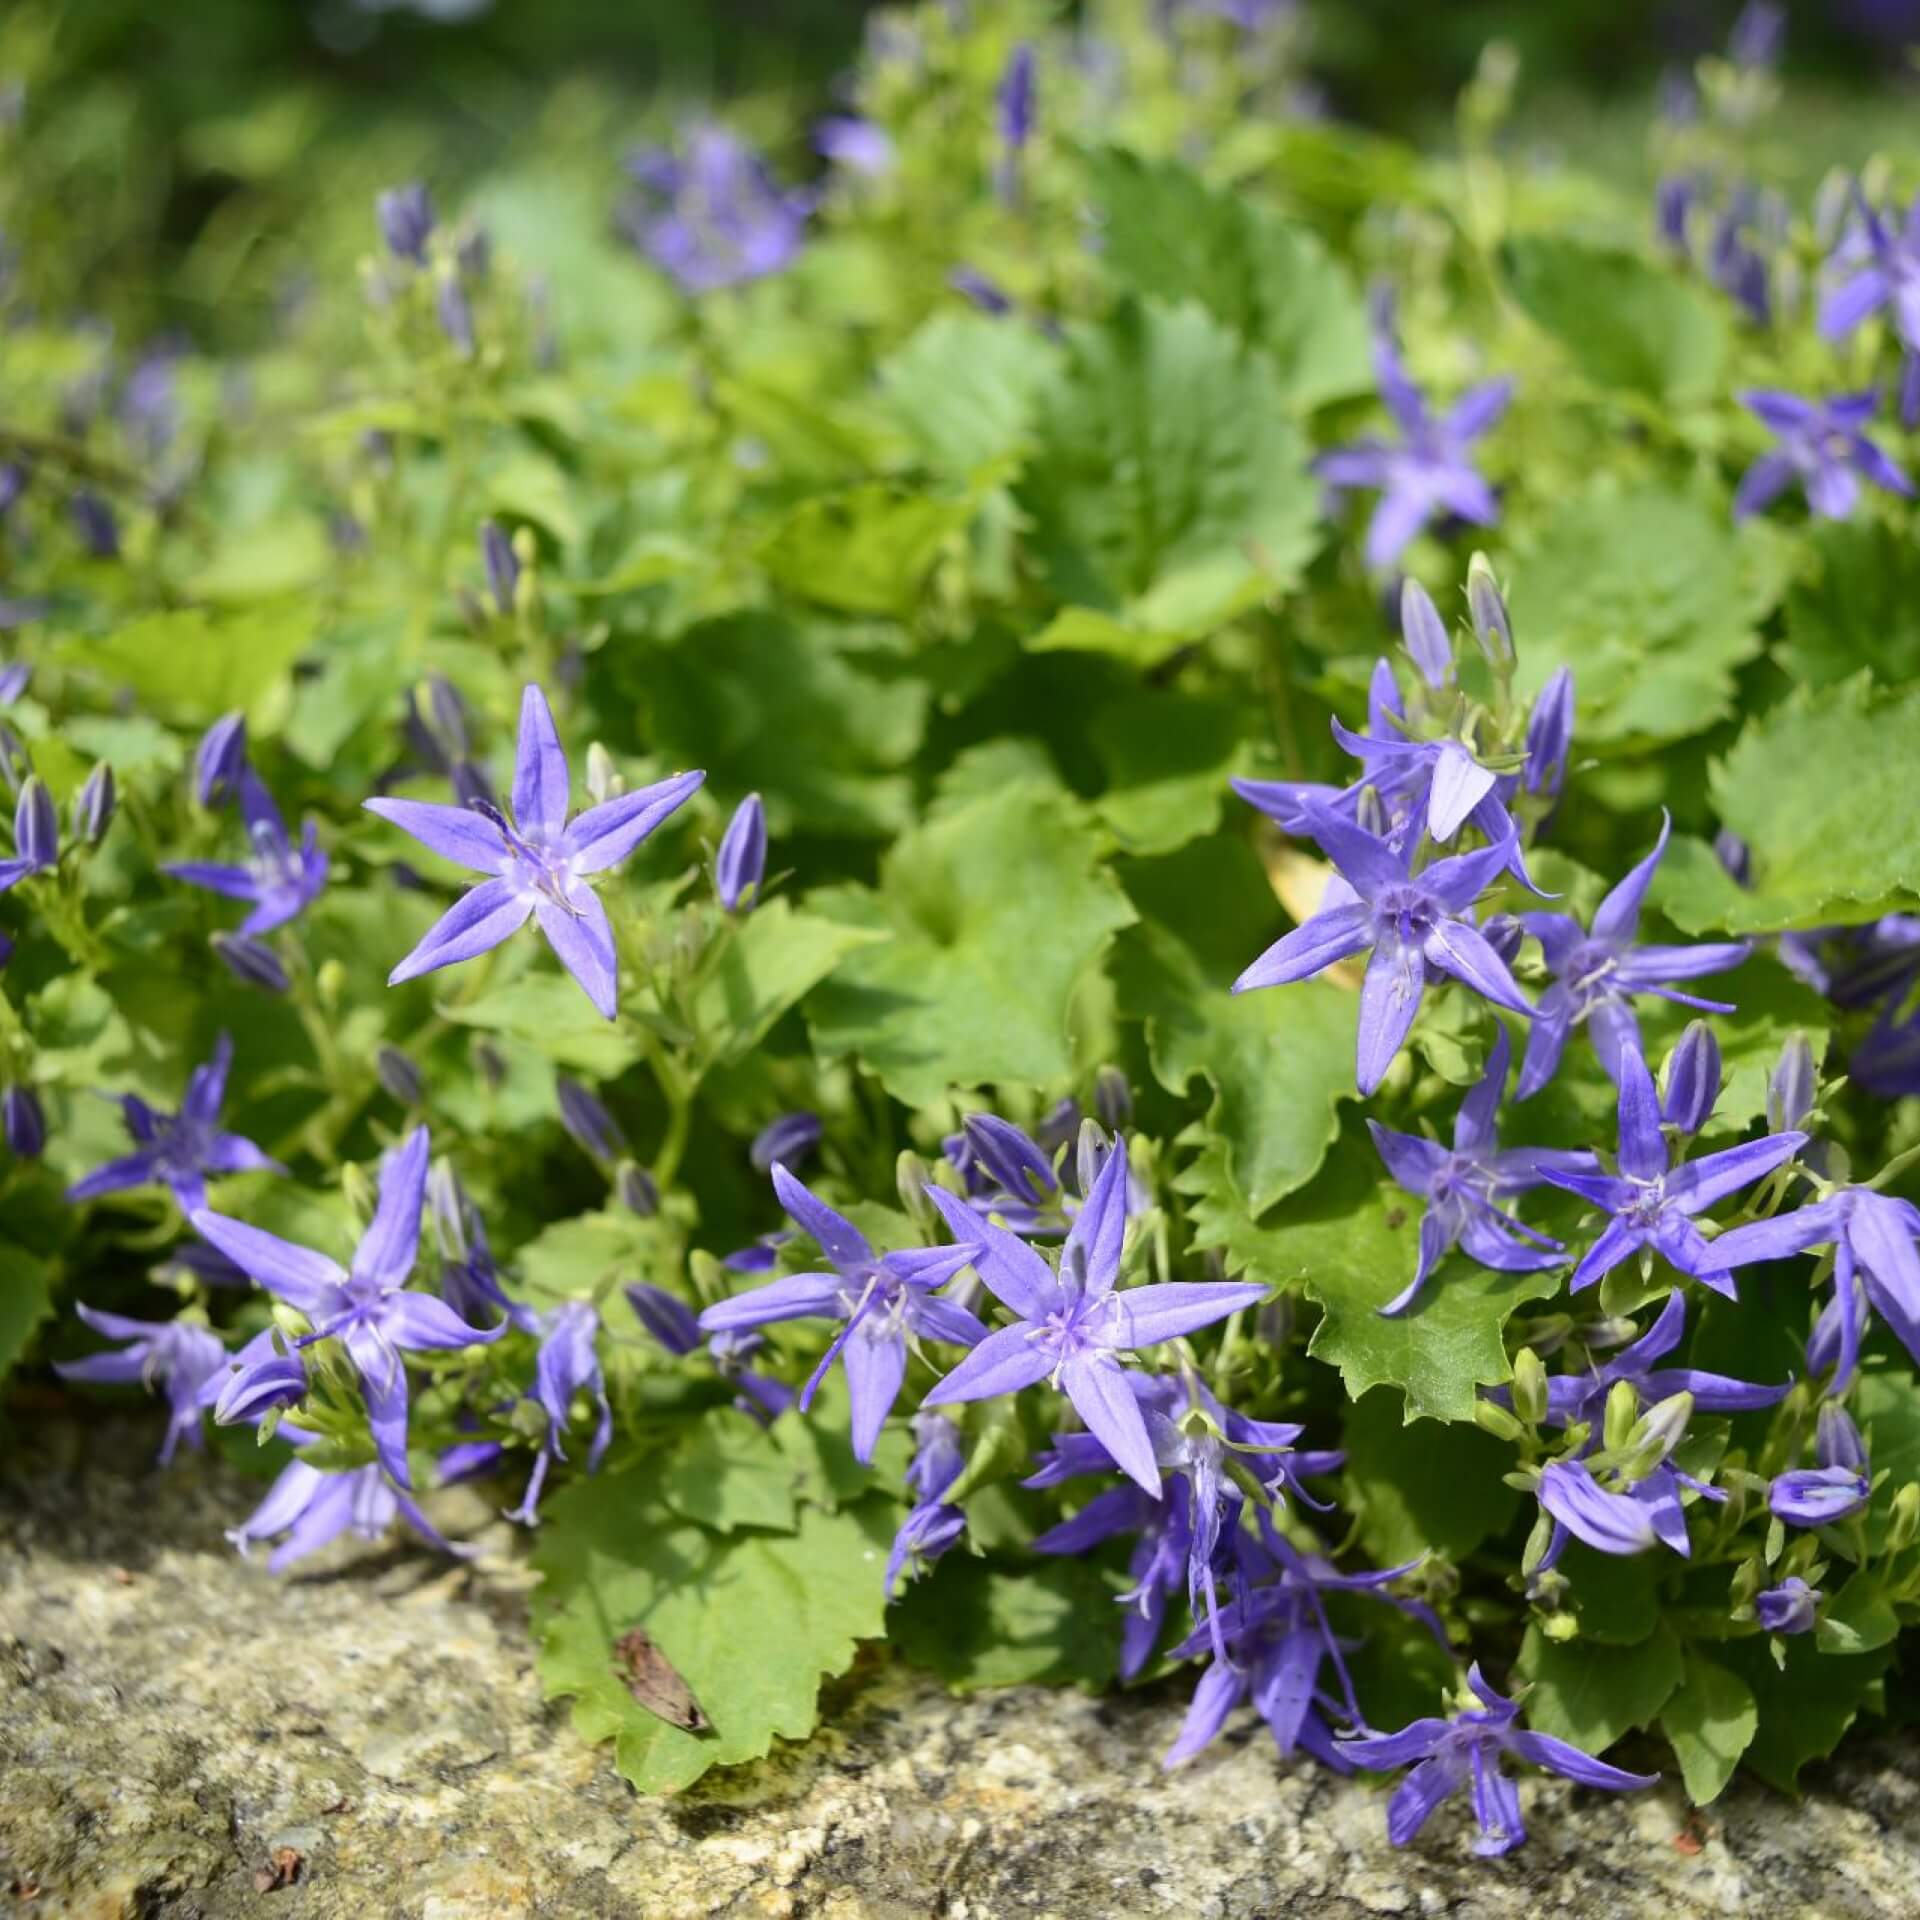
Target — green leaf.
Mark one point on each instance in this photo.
(1271, 282)
(1423, 1487)
(1167, 757)
(26, 1298)
(1861, 609)
(1591, 1694)
(1625, 322)
(996, 912)
(1652, 598)
(1710, 1722)
(1169, 488)
(1082, 630)
(773, 706)
(750, 1620)
(579, 1258)
(1887, 1405)
(1860, 1617)
(282, 557)
(1805, 1709)
(722, 1473)
(192, 667)
(978, 1623)
(549, 1013)
(1349, 1242)
(776, 956)
(1825, 849)
(866, 549)
(1278, 1062)
(966, 388)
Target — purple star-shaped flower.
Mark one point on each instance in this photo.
(313, 1509)
(1429, 474)
(1465, 1751)
(1823, 447)
(1412, 922)
(171, 1354)
(1890, 279)
(1623, 1519)
(1791, 1607)
(179, 1150)
(1074, 1324)
(1875, 1264)
(1651, 1202)
(1464, 1187)
(712, 216)
(886, 1300)
(568, 1363)
(932, 1526)
(281, 880)
(540, 862)
(1597, 971)
(368, 1308)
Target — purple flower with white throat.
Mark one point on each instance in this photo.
(174, 1355)
(1598, 970)
(932, 1526)
(1651, 1203)
(1823, 446)
(886, 1300)
(36, 834)
(1074, 1324)
(1875, 1264)
(281, 880)
(1414, 924)
(179, 1150)
(712, 216)
(1838, 1488)
(313, 1509)
(1791, 1607)
(368, 1309)
(1625, 1517)
(1464, 1186)
(568, 1364)
(1465, 1750)
(1429, 473)
(540, 863)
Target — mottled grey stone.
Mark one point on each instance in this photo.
(169, 1717)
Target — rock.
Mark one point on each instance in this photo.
(185, 1737)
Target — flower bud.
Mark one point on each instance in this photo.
(489, 1062)
(1623, 1411)
(454, 311)
(13, 483)
(1788, 1608)
(1487, 608)
(447, 1210)
(911, 1178)
(1112, 1098)
(1735, 856)
(330, 982)
(788, 1140)
(1903, 1523)
(1504, 933)
(251, 960)
(220, 759)
(586, 1119)
(358, 1190)
(405, 216)
(1009, 1159)
(1791, 1086)
(742, 861)
(1692, 1079)
(1425, 634)
(669, 1319)
(1539, 1539)
(16, 764)
(36, 826)
(93, 806)
(1529, 1387)
(638, 1191)
(399, 1076)
(93, 521)
(1837, 1440)
(604, 781)
(1658, 1431)
(1496, 1420)
(1550, 735)
(503, 567)
(25, 1121)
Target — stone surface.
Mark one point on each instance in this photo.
(171, 1719)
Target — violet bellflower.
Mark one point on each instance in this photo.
(179, 1150)
(712, 215)
(368, 1309)
(1890, 280)
(264, 1376)
(567, 1364)
(281, 880)
(538, 861)
(1791, 1607)
(672, 1324)
(1624, 1517)
(931, 1525)
(1414, 924)
(1875, 1264)
(886, 1300)
(740, 867)
(173, 1355)
(1823, 446)
(313, 1509)
(1465, 1750)
(220, 759)
(1464, 1186)
(1598, 970)
(502, 564)
(406, 220)
(1839, 1487)
(36, 834)
(24, 1120)
(1073, 1325)
(1651, 1203)
(1162, 1556)
(1429, 473)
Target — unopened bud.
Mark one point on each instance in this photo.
(603, 777)
(1112, 1098)
(1529, 1387)
(330, 982)
(1791, 1086)
(399, 1076)
(1623, 1411)
(25, 1122)
(638, 1191)
(1692, 1079)
(911, 1177)
(490, 1062)
(1658, 1431)
(358, 1189)
(93, 806)
(1903, 1523)
(1497, 1421)
(250, 960)
(1487, 608)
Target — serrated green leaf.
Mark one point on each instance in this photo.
(751, 1621)
(980, 1623)
(1825, 849)
(722, 1473)
(1626, 323)
(1861, 609)
(1278, 1062)
(191, 667)
(1167, 757)
(777, 955)
(1168, 487)
(1860, 1617)
(1590, 1694)
(25, 1300)
(865, 549)
(996, 911)
(1271, 282)
(549, 1013)
(1805, 1708)
(1710, 1722)
(966, 387)
(1616, 1596)
(1423, 1487)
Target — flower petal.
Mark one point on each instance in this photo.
(295, 1274)
(605, 835)
(1310, 948)
(583, 938)
(478, 920)
(392, 1240)
(1103, 1397)
(459, 834)
(540, 775)
(1003, 1362)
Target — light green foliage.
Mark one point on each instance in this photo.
(1591, 1694)
(1711, 1721)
